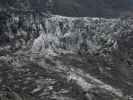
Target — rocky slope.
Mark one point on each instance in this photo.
(65, 58)
(42, 31)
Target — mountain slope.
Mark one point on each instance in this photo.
(91, 7)
(101, 8)
(84, 51)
